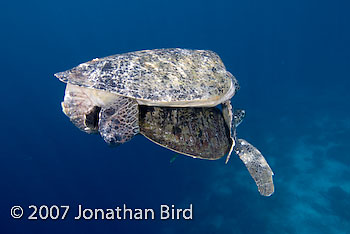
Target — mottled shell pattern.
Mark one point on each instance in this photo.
(161, 77)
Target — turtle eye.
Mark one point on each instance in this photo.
(91, 118)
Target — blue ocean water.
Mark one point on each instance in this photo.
(292, 60)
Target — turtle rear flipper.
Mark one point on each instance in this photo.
(238, 116)
(256, 165)
(118, 121)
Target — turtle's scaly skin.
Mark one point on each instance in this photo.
(118, 121)
(196, 132)
(160, 77)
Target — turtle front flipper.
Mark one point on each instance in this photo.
(118, 121)
(256, 165)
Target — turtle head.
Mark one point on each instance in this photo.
(80, 109)
(92, 111)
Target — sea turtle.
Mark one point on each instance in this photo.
(203, 133)
(104, 94)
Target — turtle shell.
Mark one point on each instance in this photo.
(199, 132)
(159, 77)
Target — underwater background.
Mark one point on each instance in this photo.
(292, 59)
